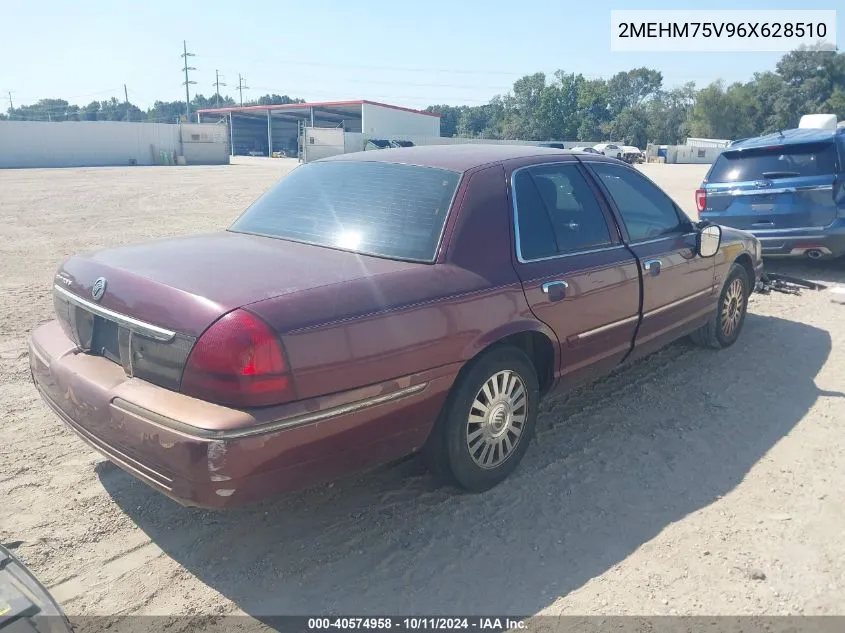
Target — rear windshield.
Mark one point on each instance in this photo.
(373, 208)
(769, 163)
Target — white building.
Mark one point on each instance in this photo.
(265, 129)
(25, 144)
(707, 142)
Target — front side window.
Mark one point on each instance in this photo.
(556, 212)
(373, 208)
(648, 213)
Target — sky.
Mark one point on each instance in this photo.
(404, 52)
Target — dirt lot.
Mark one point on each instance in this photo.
(693, 482)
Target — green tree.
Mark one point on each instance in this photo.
(630, 126)
(668, 114)
(593, 110)
(449, 116)
(627, 90)
(836, 103)
(274, 99)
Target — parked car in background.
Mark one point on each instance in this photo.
(376, 143)
(609, 149)
(632, 154)
(418, 299)
(585, 150)
(552, 145)
(400, 143)
(787, 188)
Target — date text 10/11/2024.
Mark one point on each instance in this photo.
(417, 623)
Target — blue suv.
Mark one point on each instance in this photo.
(787, 188)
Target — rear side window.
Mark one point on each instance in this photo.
(556, 212)
(373, 208)
(769, 163)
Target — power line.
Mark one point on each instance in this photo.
(406, 69)
(188, 82)
(388, 97)
(217, 84)
(241, 87)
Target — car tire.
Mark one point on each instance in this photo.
(487, 422)
(724, 325)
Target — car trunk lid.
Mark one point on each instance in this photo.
(159, 297)
(185, 284)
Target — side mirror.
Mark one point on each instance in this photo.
(708, 240)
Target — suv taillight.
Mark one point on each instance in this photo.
(701, 199)
(238, 362)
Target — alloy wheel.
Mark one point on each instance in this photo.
(497, 419)
(732, 306)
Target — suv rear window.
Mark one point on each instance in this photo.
(769, 163)
(373, 208)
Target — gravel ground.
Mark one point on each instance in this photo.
(693, 482)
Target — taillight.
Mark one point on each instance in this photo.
(77, 323)
(701, 199)
(239, 362)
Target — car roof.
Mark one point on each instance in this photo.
(785, 137)
(459, 157)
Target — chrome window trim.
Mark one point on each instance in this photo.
(515, 217)
(140, 327)
(654, 240)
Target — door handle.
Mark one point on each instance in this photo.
(652, 267)
(556, 290)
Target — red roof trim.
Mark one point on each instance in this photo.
(316, 104)
(394, 107)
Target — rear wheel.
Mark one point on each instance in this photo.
(487, 422)
(724, 325)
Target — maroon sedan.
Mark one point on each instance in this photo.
(374, 305)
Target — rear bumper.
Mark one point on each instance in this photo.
(201, 454)
(829, 240)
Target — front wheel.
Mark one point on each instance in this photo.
(487, 422)
(724, 325)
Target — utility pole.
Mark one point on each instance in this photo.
(217, 84)
(126, 100)
(241, 87)
(11, 105)
(187, 82)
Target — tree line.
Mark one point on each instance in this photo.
(116, 110)
(631, 107)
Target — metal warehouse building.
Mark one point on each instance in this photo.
(321, 128)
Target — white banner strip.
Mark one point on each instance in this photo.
(722, 30)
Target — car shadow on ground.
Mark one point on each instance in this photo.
(612, 465)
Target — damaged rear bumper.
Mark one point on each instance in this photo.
(202, 454)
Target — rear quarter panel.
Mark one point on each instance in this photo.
(375, 329)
